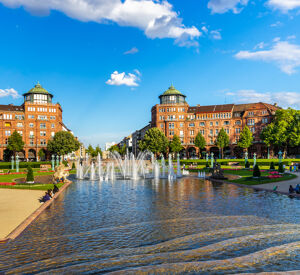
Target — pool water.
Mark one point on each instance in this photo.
(147, 226)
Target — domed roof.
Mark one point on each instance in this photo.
(38, 89)
(172, 91)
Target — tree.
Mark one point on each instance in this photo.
(90, 150)
(122, 150)
(29, 177)
(256, 171)
(222, 140)
(98, 150)
(200, 142)
(63, 143)
(154, 141)
(42, 154)
(267, 136)
(175, 145)
(284, 130)
(15, 143)
(114, 148)
(246, 138)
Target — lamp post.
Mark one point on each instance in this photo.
(17, 163)
(212, 160)
(57, 160)
(12, 162)
(280, 156)
(53, 162)
(206, 157)
(246, 157)
(254, 160)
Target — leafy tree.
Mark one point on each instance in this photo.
(280, 168)
(246, 138)
(42, 154)
(175, 145)
(222, 140)
(63, 143)
(272, 166)
(154, 141)
(256, 171)
(200, 142)
(73, 166)
(122, 150)
(247, 165)
(114, 148)
(90, 150)
(284, 131)
(29, 177)
(98, 150)
(15, 143)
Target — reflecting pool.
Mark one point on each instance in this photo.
(147, 226)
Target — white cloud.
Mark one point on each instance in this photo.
(284, 5)
(134, 50)
(204, 29)
(119, 79)
(9, 92)
(283, 99)
(260, 45)
(216, 35)
(277, 24)
(155, 17)
(222, 6)
(291, 37)
(284, 54)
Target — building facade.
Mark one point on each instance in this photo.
(36, 120)
(174, 116)
(137, 136)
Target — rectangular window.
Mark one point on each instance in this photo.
(226, 122)
(238, 122)
(161, 125)
(30, 116)
(251, 122)
(31, 142)
(7, 133)
(237, 130)
(181, 133)
(217, 131)
(52, 134)
(43, 133)
(43, 126)
(202, 124)
(181, 125)
(52, 125)
(192, 140)
(7, 124)
(171, 133)
(211, 124)
(43, 142)
(192, 132)
(217, 123)
(191, 124)
(31, 125)
(20, 132)
(250, 113)
(52, 117)
(19, 124)
(31, 134)
(211, 132)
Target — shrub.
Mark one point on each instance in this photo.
(256, 171)
(272, 166)
(207, 165)
(280, 168)
(247, 164)
(29, 177)
(65, 163)
(73, 165)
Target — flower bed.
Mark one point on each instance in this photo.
(8, 183)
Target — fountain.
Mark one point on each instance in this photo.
(171, 175)
(179, 175)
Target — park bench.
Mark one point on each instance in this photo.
(45, 167)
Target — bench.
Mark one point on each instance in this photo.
(45, 167)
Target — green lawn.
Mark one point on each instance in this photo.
(36, 186)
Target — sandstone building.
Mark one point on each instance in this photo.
(174, 116)
(37, 120)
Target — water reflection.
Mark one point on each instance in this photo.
(182, 226)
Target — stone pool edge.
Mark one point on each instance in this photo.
(24, 224)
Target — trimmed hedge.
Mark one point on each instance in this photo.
(7, 165)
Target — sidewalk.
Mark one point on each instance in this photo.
(15, 206)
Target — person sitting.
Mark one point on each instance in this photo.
(297, 189)
(55, 189)
(50, 193)
(291, 189)
(45, 198)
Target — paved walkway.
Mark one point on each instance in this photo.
(15, 206)
(283, 186)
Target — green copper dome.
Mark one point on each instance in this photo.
(172, 91)
(38, 89)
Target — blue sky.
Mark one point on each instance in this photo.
(107, 61)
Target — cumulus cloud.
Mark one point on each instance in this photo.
(216, 35)
(223, 6)
(134, 50)
(283, 99)
(284, 54)
(9, 92)
(155, 17)
(284, 5)
(129, 79)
